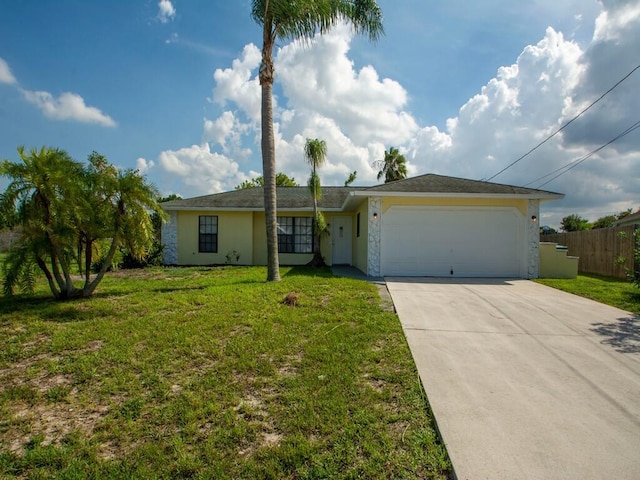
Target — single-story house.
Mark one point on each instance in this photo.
(430, 225)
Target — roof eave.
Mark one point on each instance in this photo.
(529, 196)
(246, 209)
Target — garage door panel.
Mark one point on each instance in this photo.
(436, 242)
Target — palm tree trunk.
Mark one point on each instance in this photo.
(88, 259)
(87, 291)
(269, 164)
(317, 254)
(50, 280)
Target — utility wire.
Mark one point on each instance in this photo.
(565, 125)
(551, 173)
(577, 162)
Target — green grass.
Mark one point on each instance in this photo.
(612, 291)
(204, 373)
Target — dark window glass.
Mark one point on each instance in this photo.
(295, 235)
(208, 234)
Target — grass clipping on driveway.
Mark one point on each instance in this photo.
(207, 373)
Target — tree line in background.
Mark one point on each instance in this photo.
(576, 223)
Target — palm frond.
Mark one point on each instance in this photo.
(302, 19)
(314, 186)
(315, 152)
(18, 270)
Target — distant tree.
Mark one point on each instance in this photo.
(546, 230)
(625, 213)
(282, 180)
(605, 222)
(169, 198)
(393, 167)
(66, 209)
(295, 20)
(574, 223)
(315, 153)
(351, 179)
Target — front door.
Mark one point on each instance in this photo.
(341, 240)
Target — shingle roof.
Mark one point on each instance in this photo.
(333, 198)
(431, 183)
(253, 199)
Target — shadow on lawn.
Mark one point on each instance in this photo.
(623, 335)
(177, 289)
(48, 309)
(322, 272)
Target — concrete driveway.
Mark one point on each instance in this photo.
(525, 381)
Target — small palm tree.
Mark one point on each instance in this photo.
(315, 153)
(292, 20)
(393, 167)
(64, 209)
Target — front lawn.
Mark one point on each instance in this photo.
(205, 373)
(612, 291)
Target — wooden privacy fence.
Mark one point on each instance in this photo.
(601, 251)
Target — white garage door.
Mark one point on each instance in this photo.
(445, 242)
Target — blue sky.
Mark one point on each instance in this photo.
(462, 88)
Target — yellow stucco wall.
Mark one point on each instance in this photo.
(556, 263)
(520, 204)
(235, 232)
(360, 244)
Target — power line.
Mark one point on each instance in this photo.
(565, 125)
(577, 162)
(551, 173)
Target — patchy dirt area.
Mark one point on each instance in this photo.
(386, 302)
(42, 402)
(51, 422)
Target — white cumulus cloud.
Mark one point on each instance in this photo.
(526, 102)
(68, 106)
(354, 111)
(238, 84)
(220, 129)
(5, 73)
(320, 93)
(166, 11)
(321, 78)
(143, 165)
(201, 170)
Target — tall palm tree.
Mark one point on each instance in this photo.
(393, 167)
(315, 153)
(292, 20)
